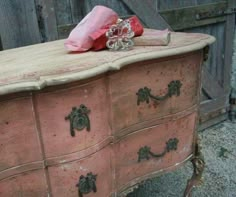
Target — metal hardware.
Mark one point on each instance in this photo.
(214, 13)
(198, 167)
(145, 152)
(87, 184)
(78, 119)
(145, 93)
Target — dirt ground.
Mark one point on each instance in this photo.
(219, 150)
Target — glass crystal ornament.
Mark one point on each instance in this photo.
(120, 36)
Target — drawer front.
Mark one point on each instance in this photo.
(19, 142)
(171, 86)
(66, 130)
(153, 149)
(32, 184)
(91, 175)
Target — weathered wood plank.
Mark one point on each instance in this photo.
(147, 13)
(220, 53)
(207, 1)
(77, 10)
(229, 36)
(173, 4)
(1, 48)
(63, 12)
(210, 85)
(211, 106)
(213, 121)
(46, 19)
(118, 6)
(64, 30)
(18, 24)
(186, 17)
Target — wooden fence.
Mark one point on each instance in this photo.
(25, 22)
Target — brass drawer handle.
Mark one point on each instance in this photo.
(145, 151)
(87, 184)
(78, 119)
(145, 93)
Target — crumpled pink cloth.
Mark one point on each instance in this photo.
(79, 38)
(100, 39)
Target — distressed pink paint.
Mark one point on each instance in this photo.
(35, 138)
(31, 184)
(127, 165)
(155, 75)
(53, 107)
(64, 177)
(19, 142)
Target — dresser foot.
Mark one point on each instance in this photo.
(198, 167)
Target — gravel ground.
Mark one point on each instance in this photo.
(219, 150)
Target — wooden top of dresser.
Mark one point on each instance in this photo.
(37, 66)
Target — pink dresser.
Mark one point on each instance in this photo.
(97, 124)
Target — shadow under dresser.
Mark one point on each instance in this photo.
(98, 123)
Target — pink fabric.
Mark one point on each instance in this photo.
(99, 38)
(79, 38)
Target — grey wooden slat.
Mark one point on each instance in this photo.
(63, 12)
(118, 6)
(173, 4)
(210, 85)
(46, 19)
(185, 17)
(213, 107)
(229, 36)
(207, 1)
(213, 121)
(77, 10)
(204, 96)
(1, 47)
(147, 13)
(214, 48)
(18, 23)
(220, 53)
(64, 30)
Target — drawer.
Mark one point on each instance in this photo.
(173, 141)
(177, 72)
(66, 130)
(95, 169)
(19, 142)
(32, 184)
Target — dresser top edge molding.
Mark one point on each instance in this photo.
(37, 66)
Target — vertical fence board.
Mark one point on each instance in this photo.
(229, 37)
(46, 19)
(1, 47)
(77, 11)
(117, 6)
(220, 33)
(18, 23)
(63, 12)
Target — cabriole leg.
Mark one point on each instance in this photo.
(198, 167)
